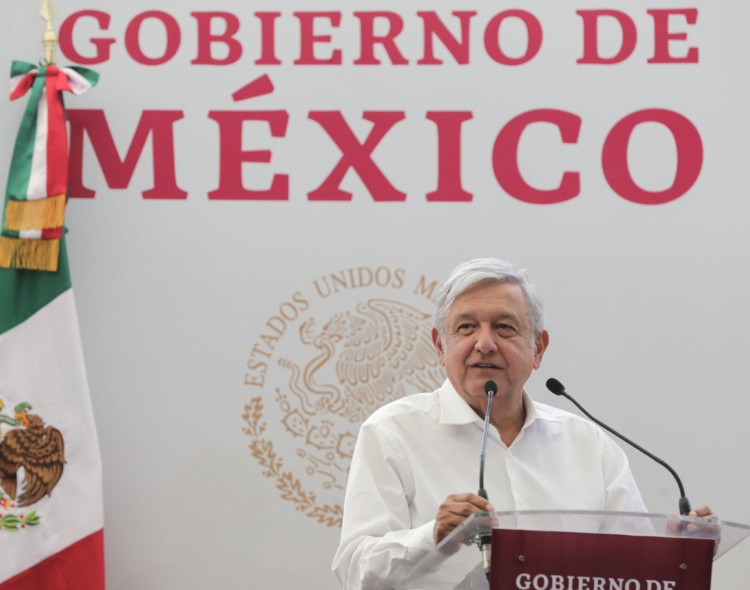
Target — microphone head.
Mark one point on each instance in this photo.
(555, 386)
(490, 388)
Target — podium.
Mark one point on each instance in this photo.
(577, 550)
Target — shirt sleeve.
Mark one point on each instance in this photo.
(379, 542)
(621, 491)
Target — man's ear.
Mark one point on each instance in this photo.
(541, 342)
(438, 342)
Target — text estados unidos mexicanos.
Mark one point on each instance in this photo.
(559, 582)
(377, 30)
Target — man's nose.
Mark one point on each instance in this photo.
(485, 340)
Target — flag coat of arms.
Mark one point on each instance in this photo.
(51, 511)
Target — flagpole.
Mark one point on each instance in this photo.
(49, 40)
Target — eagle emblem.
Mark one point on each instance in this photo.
(31, 450)
(381, 352)
(365, 358)
(332, 375)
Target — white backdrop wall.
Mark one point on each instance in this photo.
(219, 465)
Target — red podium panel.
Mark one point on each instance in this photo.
(576, 550)
(545, 560)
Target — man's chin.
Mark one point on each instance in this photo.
(477, 386)
(481, 375)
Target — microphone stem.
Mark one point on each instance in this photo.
(482, 491)
(684, 504)
(484, 540)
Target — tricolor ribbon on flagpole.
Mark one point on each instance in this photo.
(37, 187)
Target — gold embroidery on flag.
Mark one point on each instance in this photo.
(29, 254)
(35, 214)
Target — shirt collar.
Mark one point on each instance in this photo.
(453, 408)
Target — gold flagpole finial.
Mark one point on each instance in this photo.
(50, 39)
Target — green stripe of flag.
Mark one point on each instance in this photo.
(24, 292)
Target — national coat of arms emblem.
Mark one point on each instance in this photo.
(32, 457)
(323, 382)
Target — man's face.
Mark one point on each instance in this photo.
(487, 335)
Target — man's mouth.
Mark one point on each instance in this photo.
(485, 366)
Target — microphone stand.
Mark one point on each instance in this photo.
(484, 540)
(559, 389)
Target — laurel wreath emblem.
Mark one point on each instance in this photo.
(13, 522)
(289, 486)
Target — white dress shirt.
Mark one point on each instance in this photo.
(414, 452)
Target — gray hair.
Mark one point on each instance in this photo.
(487, 270)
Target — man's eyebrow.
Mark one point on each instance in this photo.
(461, 317)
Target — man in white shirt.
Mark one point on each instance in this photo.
(416, 459)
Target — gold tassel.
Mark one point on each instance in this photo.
(29, 254)
(44, 213)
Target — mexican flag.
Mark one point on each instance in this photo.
(51, 512)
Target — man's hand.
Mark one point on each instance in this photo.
(692, 529)
(703, 512)
(708, 531)
(454, 510)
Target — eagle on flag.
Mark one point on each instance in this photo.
(38, 451)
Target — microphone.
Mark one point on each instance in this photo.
(559, 389)
(484, 542)
(490, 388)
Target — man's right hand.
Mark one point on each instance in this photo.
(454, 510)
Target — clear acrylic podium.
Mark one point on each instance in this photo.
(577, 550)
